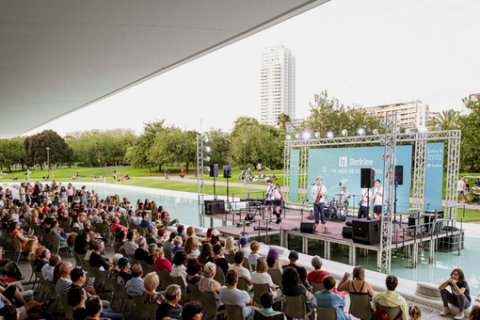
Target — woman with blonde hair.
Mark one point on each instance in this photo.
(191, 248)
(261, 276)
(71, 238)
(415, 312)
(229, 246)
(150, 284)
(191, 233)
(208, 284)
(34, 217)
(357, 284)
(31, 245)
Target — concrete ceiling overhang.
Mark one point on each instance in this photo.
(58, 56)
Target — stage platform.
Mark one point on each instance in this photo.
(291, 226)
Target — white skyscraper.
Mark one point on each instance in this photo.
(277, 84)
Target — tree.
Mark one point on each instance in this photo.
(35, 147)
(469, 153)
(11, 152)
(220, 142)
(448, 119)
(283, 120)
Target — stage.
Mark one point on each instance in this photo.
(401, 237)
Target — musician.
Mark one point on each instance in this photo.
(344, 197)
(269, 201)
(377, 199)
(364, 203)
(319, 190)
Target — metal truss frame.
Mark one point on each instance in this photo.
(286, 174)
(200, 186)
(304, 172)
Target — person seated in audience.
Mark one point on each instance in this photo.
(180, 231)
(167, 220)
(131, 246)
(116, 224)
(123, 275)
(149, 295)
(219, 259)
(72, 237)
(162, 237)
(302, 272)
(134, 286)
(193, 310)
(169, 244)
(144, 223)
(119, 239)
(169, 308)
(78, 278)
(241, 271)
(115, 268)
(206, 254)
(230, 295)
(208, 235)
(244, 246)
(214, 240)
(42, 258)
(132, 221)
(161, 263)
(47, 270)
(75, 223)
(178, 242)
(317, 275)
(15, 232)
(96, 260)
(475, 313)
(273, 260)
(266, 299)
(62, 236)
(357, 284)
(415, 312)
(141, 253)
(390, 298)
(191, 233)
(229, 246)
(82, 243)
(88, 228)
(90, 308)
(150, 237)
(459, 295)
(65, 282)
(292, 286)
(193, 269)
(31, 245)
(253, 256)
(208, 284)
(179, 269)
(261, 276)
(31, 310)
(328, 299)
(191, 248)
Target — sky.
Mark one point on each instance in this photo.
(368, 52)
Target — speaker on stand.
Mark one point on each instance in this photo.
(213, 174)
(227, 173)
(367, 180)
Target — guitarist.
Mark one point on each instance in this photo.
(364, 205)
(377, 199)
(319, 191)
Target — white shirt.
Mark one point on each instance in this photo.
(242, 272)
(378, 197)
(270, 191)
(246, 251)
(344, 196)
(460, 185)
(363, 199)
(263, 278)
(319, 188)
(193, 255)
(47, 272)
(179, 271)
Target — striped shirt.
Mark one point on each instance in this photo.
(63, 286)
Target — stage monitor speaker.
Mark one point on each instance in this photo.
(214, 170)
(399, 175)
(227, 171)
(367, 178)
(347, 232)
(214, 207)
(366, 231)
(307, 227)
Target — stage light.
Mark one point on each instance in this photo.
(408, 131)
(205, 139)
(344, 132)
(438, 127)
(317, 135)
(422, 129)
(288, 137)
(382, 124)
(206, 168)
(330, 134)
(208, 149)
(306, 135)
(375, 132)
(361, 131)
(297, 136)
(206, 159)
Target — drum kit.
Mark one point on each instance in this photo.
(335, 210)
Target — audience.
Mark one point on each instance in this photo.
(131, 246)
(65, 282)
(241, 271)
(179, 269)
(191, 248)
(292, 286)
(415, 312)
(317, 275)
(78, 280)
(230, 295)
(302, 272)
(206, 254)
(390, 298)
(192, 311)
(123, 275)
(47, 270)
(134, 286)
(193, 269)
(168, 245)
(261, 276)
(328, 299)
(229, 246)
(219, 259)
(96, 260)
(208, 284)
(150, 296)
(266, 299)
(151, 230)
(273, 260)
(475, 313)
(162, 264)
(169, 308)
(358, 285)
(244, 246)
(253, 256)
(178, 244)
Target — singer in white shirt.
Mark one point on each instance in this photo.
(319, 209)
(364, 203)
(377, 199)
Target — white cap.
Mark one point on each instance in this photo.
(215, 232)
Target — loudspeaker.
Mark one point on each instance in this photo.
(307, 227)
(367, 178)
(214, 206)
(214, 170)
(399, 175)
(366, 231)
(227, 171)
(347, 232)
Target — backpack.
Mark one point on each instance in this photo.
(381, 314)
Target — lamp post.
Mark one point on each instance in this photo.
(245, 158)
(48, 161)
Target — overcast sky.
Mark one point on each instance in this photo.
(368, 52)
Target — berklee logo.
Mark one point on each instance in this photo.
(343, 162)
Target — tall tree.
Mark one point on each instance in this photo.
(448, 119)
(220, 142)
(469, 153)
(283, 120)
(11, 152)
(35, 147)
(139, 153)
